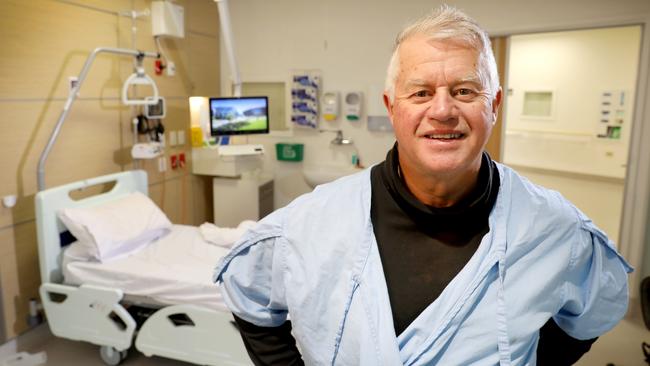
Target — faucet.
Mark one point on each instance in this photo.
(338, 140)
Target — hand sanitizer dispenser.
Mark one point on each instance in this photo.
(330, 106)
(352, 106)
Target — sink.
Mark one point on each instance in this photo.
(322, 173)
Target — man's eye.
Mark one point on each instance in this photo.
(421, 94)
(464, 91)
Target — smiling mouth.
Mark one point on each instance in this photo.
(445, 136)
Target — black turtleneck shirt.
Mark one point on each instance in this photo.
(422, 249)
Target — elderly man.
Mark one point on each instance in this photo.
(436, 256)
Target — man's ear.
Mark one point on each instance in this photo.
(496, 102)
(389, 106)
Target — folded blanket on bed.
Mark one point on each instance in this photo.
(224, 236)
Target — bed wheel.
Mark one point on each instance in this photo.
(111, 356)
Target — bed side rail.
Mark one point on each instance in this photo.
(88, 313)
(193, 334)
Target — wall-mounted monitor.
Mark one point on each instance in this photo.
(239, 116)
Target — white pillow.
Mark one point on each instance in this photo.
(116, 228)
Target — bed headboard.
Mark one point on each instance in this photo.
(50, 201)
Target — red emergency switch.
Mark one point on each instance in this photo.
(181, 160)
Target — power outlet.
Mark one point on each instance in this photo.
(162, 164)
(181, 137)
(172, 138)
(171, 69)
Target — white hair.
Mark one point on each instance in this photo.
(448, 23)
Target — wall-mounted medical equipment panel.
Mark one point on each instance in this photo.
(155, 111)
(305, 90)
(167, 19)
(613, 114)
(352, 105)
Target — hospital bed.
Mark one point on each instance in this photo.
(160, 298)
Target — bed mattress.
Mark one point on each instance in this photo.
(175, 269)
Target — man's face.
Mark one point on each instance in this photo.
(442, 113)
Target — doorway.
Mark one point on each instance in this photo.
(569, 113)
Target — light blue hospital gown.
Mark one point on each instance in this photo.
(317, 260)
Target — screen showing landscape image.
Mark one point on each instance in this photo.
(235, 116)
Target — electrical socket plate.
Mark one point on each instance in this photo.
(171, 69)
(172, 138)
(181, 137)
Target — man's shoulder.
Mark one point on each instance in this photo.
(524, 196)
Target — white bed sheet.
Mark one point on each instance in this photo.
(175, 269)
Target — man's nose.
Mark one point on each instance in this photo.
(441, 106)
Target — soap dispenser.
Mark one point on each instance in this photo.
(330, 105)
(352, 105)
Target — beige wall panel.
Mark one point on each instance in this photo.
(21, 212)
(155, 176)
(9, 278)
(46, 42)
(103, 5)
(178, 116)
(87, 146)
(20, 274)
(202, 189)
(202, 16)
(143, 39)
(204, 64)
(29, 277)
(151, 167)
(187, 216)
(168, 196)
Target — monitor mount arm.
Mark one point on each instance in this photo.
(228, 42)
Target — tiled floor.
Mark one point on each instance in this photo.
(620, 347)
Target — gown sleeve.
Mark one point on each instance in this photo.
(252, 281)
(596, 291)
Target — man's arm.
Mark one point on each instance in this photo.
(556, 348)
(268, 346)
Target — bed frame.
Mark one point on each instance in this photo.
(96, 314)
